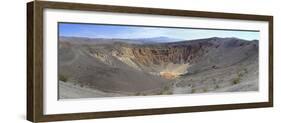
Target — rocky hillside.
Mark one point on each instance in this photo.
(203, 65)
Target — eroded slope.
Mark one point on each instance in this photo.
(204, 65)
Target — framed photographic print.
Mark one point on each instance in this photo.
(95, 61)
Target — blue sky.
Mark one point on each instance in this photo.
(130, 32)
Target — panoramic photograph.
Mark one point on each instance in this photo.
(103, 60)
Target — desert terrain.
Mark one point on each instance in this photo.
(98, 67)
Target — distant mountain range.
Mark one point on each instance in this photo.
(161, 39)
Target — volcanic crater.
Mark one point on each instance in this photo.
(116, 67)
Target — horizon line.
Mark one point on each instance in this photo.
(161, 36)
(110, 31)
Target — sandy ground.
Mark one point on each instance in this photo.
(68, 90)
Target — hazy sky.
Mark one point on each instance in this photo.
(128, 32)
